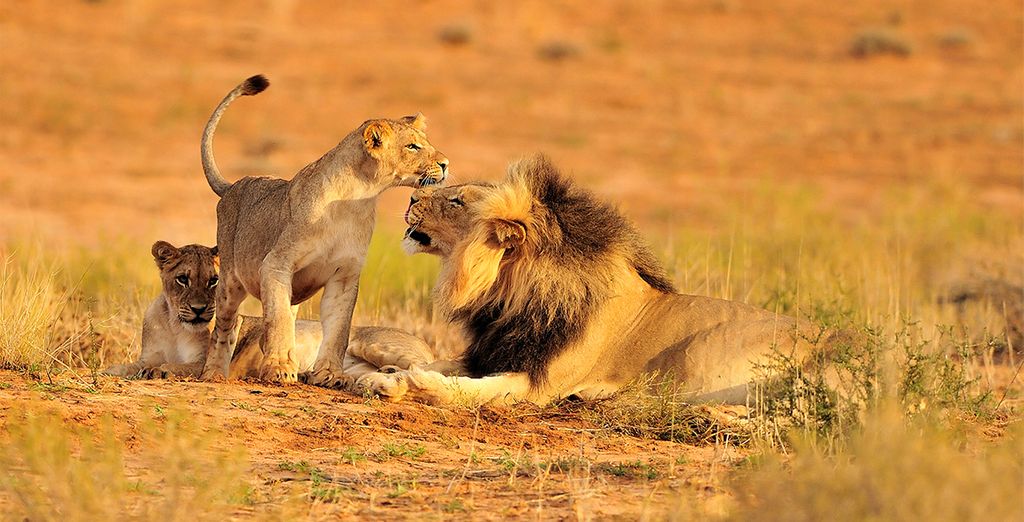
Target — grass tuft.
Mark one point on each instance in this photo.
(653, 408)
(31, 302)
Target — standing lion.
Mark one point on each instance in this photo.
(282, 241)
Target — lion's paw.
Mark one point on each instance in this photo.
(213, 375)
(389, 386)
(429, 386)
(327, 375)
(117, 370)
(155, 372)
(280, 370)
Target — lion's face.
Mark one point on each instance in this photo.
(189, 277)
(440, 217)
(404, 155)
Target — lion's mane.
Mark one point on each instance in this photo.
(541, 258)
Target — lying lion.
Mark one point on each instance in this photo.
(282, 241)
(176, 328)
(559, 296)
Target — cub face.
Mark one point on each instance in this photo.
(439, 217)
(189, 278)
(404, 155)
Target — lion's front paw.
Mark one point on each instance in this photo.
(155, 372)
(327, 374)
(390, 387)
(213, 375)
(117, 370)
(429, 386)
(280, 370)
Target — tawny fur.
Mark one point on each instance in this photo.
(560, 297)
(282, 241)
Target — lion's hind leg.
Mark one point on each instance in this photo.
(384, 347)
(382, 350)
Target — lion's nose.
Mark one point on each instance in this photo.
(443, 164)
(198, 310)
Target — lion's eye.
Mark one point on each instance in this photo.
(213, 282)
(182, 280)
(413, 147)
(456, 202)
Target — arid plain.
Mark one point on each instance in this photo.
(858, 164)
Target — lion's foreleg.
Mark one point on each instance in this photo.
(225, 333)
(435, 388)
(336, 308)
(278, 339)
(447, 367)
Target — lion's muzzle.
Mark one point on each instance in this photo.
(436, 174)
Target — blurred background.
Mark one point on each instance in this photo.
(823, 159)
(674, 109)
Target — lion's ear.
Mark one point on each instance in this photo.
(507, 234)
(214, 252)
(376, 135)
(164, 253)
(419, 121)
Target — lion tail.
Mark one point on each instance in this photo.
(253, 85)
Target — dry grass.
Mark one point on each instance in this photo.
(51, 470)
(894, 469)
(30, 305)
(652, 408)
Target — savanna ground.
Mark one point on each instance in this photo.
(857, 164)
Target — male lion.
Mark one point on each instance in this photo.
(559, 296)
(176, 328)
(281, 241)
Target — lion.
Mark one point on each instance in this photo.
(282, 241)
(176, 329)
(559, 296)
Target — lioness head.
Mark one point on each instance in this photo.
(439, 217)
(189, 277)
(403, 154)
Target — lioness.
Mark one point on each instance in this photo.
(559, 296)
(176, 328)
(281, 241)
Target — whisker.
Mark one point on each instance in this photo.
(410, 230)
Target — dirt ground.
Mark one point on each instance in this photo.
(403, 461)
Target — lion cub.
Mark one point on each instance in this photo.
(282, 241)
(176, 328)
